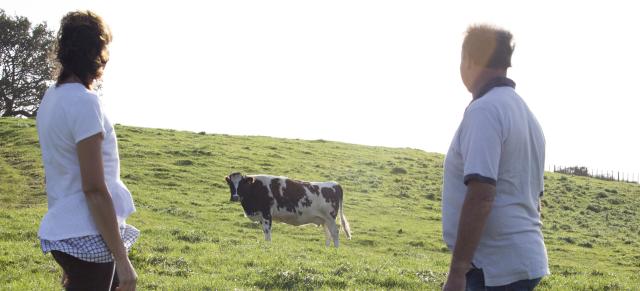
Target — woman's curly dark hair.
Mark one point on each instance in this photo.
(82, 46)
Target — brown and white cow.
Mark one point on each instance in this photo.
(266, 198)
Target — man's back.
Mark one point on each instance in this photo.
(500, 139)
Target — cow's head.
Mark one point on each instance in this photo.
(236, 181)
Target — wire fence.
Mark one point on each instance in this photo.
(608, 175)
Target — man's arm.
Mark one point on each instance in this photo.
(473, 218)
(540, 200)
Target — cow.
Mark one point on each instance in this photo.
(272, 198)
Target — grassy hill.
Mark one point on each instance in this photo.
(193, 238)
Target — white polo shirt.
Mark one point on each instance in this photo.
(499, 140)
(68, 114)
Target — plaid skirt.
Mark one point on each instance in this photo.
(90, 248)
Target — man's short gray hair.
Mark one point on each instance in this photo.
(488, 46)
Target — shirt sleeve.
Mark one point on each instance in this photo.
(481, 146)
(86, 117)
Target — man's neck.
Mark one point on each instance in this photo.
(486, 76)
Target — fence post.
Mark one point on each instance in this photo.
(602, 174)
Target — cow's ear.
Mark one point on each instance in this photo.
(227, 179)
(250, 180)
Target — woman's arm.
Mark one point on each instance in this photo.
(101, 206)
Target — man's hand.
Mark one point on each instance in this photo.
(473, 217)
(455, 282)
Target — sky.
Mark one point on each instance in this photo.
(382, 73)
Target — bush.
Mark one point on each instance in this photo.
(585, 245)
(398, 170)
(616, 201)
(594, 208)
(612, 191)
(575, 170)
(184, 162)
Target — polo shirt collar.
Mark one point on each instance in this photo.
(493, 83)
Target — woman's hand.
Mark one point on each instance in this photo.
(64, 280)
(126, 275)
(101, 207)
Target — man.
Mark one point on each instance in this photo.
(493, 176)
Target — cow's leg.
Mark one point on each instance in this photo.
(266, 225)
(327, 235)
(333, 230)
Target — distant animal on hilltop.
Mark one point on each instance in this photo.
(266, 198)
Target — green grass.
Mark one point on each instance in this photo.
(193, 238)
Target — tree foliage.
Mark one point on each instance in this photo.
(26, 64)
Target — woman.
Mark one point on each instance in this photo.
(84, 227)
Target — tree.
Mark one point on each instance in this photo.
(26, 65)
(575, 170)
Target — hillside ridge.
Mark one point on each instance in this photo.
(194, 238)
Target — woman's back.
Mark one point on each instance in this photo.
(68, 114)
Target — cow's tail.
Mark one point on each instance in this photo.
(343, 219)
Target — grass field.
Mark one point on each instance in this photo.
(193, 238)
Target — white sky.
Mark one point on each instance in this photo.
(367, 72)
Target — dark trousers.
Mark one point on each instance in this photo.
(82, 275)
(475, 282)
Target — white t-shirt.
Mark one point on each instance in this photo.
(499, 140)
(68, 114)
